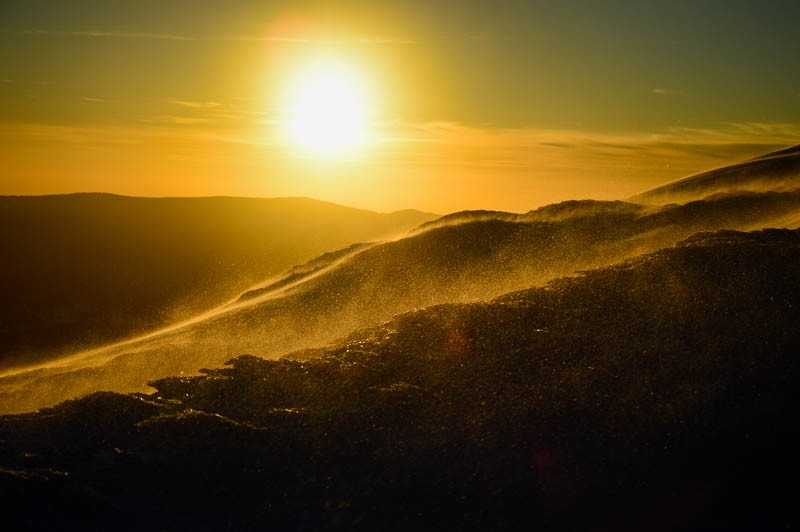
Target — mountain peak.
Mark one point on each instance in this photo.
(775, 171)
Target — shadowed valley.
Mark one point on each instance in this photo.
(81, 270)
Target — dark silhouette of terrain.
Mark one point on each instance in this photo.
(84, 269)
(659, 393)
(776, 171)
(464, 257)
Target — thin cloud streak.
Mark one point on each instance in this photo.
(665, 92)
(100, 34)
(525, 142)
(190, 38)
(196, 104)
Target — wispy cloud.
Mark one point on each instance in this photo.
(177, 120)
(299, 39)
(35, 82)
(724, 133)
(383, 40)
(665, 92)
(100, 34)
(196, 104)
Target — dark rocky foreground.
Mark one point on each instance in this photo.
(658, 394)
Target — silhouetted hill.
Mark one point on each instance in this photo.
(659, 393)
(84, 269)
(464, 259)
(776, 171)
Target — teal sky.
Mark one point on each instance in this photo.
(623, 68)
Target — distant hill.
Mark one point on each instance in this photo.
(84, 269)
(776, 171)
(656, 394)
(461, 258)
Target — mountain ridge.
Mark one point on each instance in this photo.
(469, 260)
(777, 170)
(463, 257)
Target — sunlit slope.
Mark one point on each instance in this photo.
(83, 269)
(462, 258)
(776, 171)
(660, 390)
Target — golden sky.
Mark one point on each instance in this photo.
(471, 105)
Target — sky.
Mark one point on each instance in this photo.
(472, 104)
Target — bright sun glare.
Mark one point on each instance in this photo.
(327, 111)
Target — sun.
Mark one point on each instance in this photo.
(327, 110)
